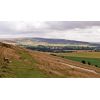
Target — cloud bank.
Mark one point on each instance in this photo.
(73, 30)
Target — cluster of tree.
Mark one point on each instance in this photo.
(57, 48)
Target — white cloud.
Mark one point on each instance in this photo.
(82, 31)
(90, 34)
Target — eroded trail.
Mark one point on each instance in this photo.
(84, 69)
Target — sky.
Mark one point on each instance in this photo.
(72, 30)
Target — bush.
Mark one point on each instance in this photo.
(96, 65)
(53, 54)
(63, 56)
(83, 61)
(89, 63)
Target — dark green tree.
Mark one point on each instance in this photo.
(83, 61)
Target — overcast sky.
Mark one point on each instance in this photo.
(72, 30)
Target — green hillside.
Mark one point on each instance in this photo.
(23, 66)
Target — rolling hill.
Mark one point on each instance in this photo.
(58, 41)
(16, 61)
(44, 41)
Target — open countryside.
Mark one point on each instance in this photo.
(91, 58)
(51, 49)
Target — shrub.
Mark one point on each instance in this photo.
(96, 65)
(63, 56)
(89, 63)
(53, 54)
(83, 61)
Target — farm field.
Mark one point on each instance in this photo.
(89, 57)
(82, 54)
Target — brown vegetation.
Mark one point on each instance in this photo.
(49, 64)
(59, 65)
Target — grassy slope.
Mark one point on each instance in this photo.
(27, 66)
(25, 63)
(23, 67)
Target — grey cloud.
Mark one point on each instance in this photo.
(10, 27)
(58, 29)
(65, 25)
(60, 26)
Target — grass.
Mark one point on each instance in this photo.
(92, 57)
(93, 61)
(25, 67)
(29, 73)
(82, 54)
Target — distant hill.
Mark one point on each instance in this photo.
(48, 40)
(58, 41)
(44, 41)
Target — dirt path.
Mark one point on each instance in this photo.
(76, 67)
(84, 69)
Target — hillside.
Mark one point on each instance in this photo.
(19, 62)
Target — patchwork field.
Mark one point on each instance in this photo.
(82, 54)
(92, 58)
